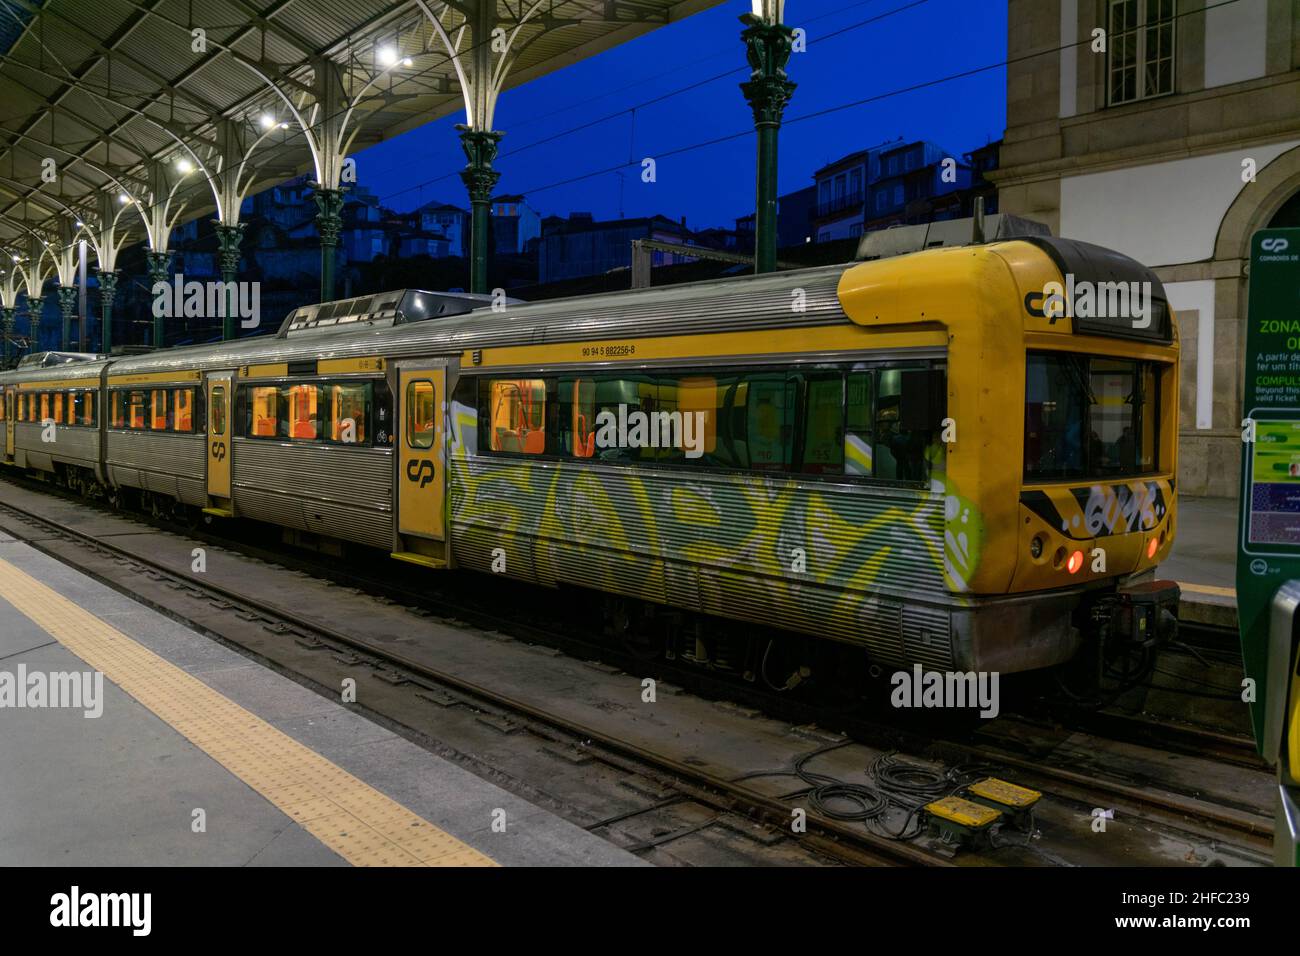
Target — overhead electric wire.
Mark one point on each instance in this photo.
(749, 131)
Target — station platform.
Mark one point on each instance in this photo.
(184, 752)
(1204, 561)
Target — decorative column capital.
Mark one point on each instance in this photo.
(767, 46)
(67, 297)
(329, 209)
(107, 284)
(480, 147)
(229, 236)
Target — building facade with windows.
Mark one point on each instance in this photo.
(514, 223)
(878, 187)
(1172, 146)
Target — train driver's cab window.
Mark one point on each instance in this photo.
(262, 411)
(419, 414)
(1090, 417)
(349, 413)
(304, 415)
(517, 415)
(218, 419)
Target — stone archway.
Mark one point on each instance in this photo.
(1256, 205)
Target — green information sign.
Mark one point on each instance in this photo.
(1269, 524)
(1268, 556)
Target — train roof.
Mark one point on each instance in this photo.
(367, 325)
(88, 368)
(754, 302)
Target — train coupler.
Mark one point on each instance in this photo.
(1146, 613)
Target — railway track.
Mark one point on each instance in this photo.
(836, 839)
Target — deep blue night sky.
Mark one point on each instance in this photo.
(714, 184)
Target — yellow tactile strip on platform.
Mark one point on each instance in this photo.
(346, 814)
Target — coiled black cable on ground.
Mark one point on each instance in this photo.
(899, 785)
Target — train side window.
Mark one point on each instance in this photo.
(578, 416)
(262, 412)
(419, 414)
(303, 403)
(769, 422)
(183, 409)
(135, 405)
(45, 407)
(58, 408)
(901, 453)
(858, 399)
(699, 397)
(218, 416)
(158, 410)
(118, 419)
(823, 424)
(348, 413)
(381, 405)
(517, 415)
(4, 400)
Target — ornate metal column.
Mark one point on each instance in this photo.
(7, 325)
(479, 178)
(107, 289)
(228, 238)
(157, 273)
(34, 306)
(768, 42)
(68, 308)
(329, 221)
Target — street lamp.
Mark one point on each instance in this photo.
(768, 42)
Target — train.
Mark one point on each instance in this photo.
(924, 458)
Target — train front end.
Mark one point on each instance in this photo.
(1060, 452)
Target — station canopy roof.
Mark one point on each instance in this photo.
(109, 89)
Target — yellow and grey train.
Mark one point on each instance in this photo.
(914, 456)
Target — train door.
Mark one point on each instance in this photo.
(9, 424)
(421, 464)
(220, 395)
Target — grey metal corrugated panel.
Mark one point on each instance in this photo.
(619, 530)
(322, 474)
(177, 455)
(342, 492)
(740, 304)
(272, 508)
(74, 446)
(614, 511)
